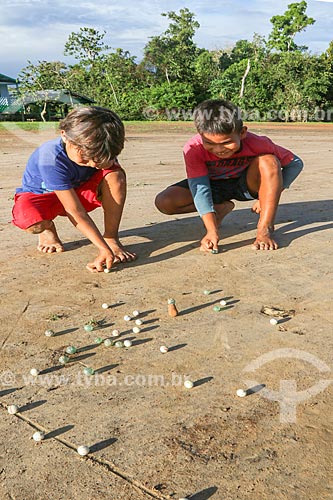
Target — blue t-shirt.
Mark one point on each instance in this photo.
(49, 169)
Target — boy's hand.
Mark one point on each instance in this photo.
(105, 259)
(264, 240)
(120, 253)
(209, 242)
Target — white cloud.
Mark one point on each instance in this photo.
(38, 29)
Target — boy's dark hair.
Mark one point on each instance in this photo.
(217, 116)
(98, 133)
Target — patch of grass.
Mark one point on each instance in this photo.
(29, 126)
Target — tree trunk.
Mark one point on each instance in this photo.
(112, 88)
(43, 111)
(244, 78)
(167, 75)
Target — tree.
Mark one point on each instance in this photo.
(170, 56)
(206, 68)
(327, 59)
(286, 27)
(87, 45)
(45, 76)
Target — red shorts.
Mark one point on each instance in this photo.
(30, 208)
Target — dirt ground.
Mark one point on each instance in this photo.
(149, 436)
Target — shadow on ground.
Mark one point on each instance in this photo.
(294, 218)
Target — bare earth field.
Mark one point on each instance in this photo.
(150, 437)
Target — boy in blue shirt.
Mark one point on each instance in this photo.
(73, 175)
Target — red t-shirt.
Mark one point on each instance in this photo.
(200, 162)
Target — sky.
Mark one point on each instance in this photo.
(37, 30)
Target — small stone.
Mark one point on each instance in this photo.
(135, 313)
(34, 372)
(273, 321)
(88, 327)
(217, 308)
(207, 292)
(115, 333)
(38, 436)
(223, 302)
(188, 384)
(106, 270)
(98, 340)
(105, 306)
(241, 393)
(164, 349)
(63, 360)
(12, 409)
(138, 322)
(108, 343)
(127, 317)
(83, 450)
(136, 329)
(215, 251)
(71, 349)
(127, 343)
(119, 343)
(49, 333)
(88, 371)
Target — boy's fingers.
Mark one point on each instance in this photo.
(108, 263)
(91, 267)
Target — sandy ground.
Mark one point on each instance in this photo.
(149, 436)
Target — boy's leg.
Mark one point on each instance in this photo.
(112, 196)
(48, 239)
(265, 178)
(175, 200)
(178, 200)
(289, 173)
(223, 209)
(34, 213)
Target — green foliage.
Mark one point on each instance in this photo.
(285, 86)
(285, 27)
(274, 79)
(87, 45)
(173, 101)
(44, 75)
(170, 56)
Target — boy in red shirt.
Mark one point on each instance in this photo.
(71, 176)
(223, 162)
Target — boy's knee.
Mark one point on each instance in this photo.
(269, 161)
(163, 203)
(117, 177)
(266, 165)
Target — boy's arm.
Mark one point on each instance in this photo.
(210, 240)
(203, 201)
(80, 219)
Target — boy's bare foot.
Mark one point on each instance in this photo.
(222, 209)
(120, 253)
(49, 241)
(264, 240)
(256, 208)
